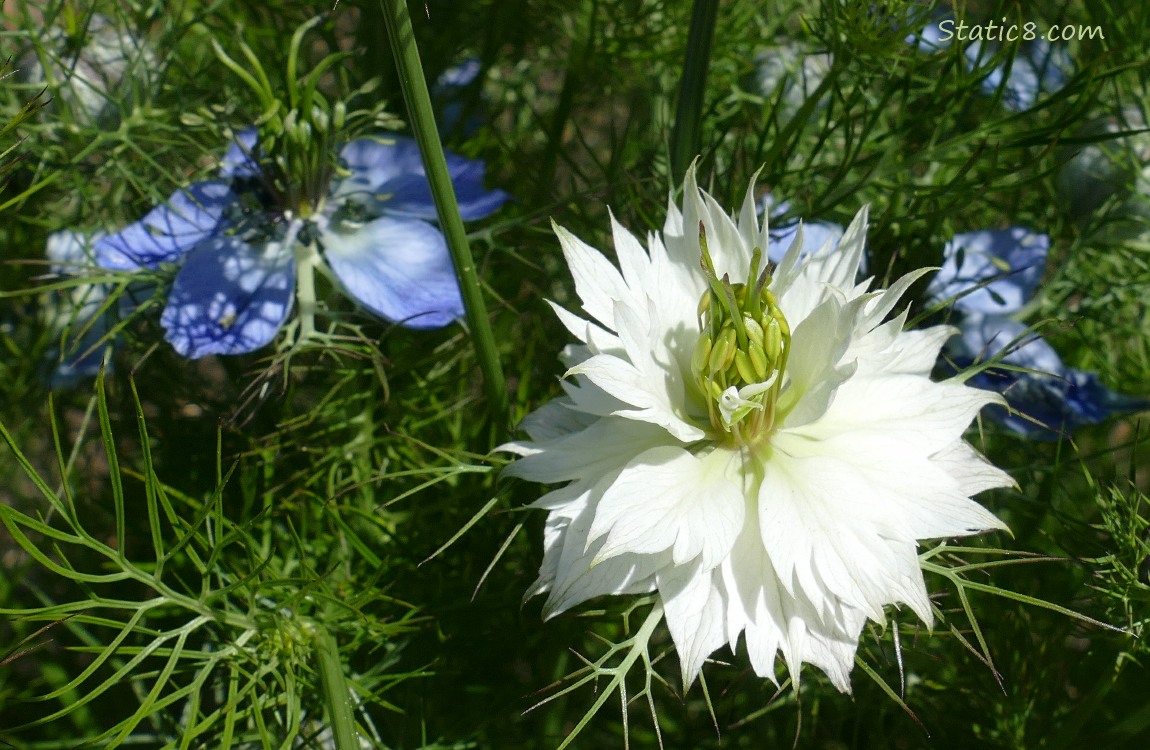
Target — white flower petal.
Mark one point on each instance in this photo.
(597, 339)
(570, 574)
(813, 368)
(597, 282)
(688, 505)
(693, 602)
(625, 382)
(587, 453)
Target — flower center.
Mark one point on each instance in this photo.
(742, 352)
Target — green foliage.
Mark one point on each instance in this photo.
(288, 549)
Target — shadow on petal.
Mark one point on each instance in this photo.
(389, 174)
(230, 297)
(168, 231)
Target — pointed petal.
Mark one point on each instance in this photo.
(625, 382)
(695, 614)
(597, 282)
(568, 573)
(605, 446)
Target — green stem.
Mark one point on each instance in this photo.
(418, 101)
(686, 139)
(306, 259)
(336, 695)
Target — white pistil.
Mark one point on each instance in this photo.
(306, 260)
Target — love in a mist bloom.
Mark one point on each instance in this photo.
(759, 445)
(1048, 400)
(247, 245)
(991, 275)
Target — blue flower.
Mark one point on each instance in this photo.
(242, 249)
(1038, 69)
(1048, 401)
(1003, 268)
(991, 271)
(457, 100)
(817, 235)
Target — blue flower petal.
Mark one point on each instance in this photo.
(1014, 258)
(1050, 406)
(411, 195)
(230, 297)
(456, 98)
(984, 337)
(389, 173)
(240, 160)
(461, 74)
(1047, 403)
(168, 231)
(70, 250)
(397, 268)
(374, 162)
(816, 235)
(75, 311)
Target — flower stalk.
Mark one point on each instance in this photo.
(335, 689)
(686, 138)
(306, 260)
(418, 101)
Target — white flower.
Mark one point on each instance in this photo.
(764, 451)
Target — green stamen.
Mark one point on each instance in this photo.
(742, 351)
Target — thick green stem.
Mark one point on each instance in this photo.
(418, 101)
(336, 694)
(306, 259)
(686, 138)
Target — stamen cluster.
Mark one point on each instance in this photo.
(742, 351)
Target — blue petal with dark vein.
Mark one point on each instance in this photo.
(1055, 404)
(389, 174)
